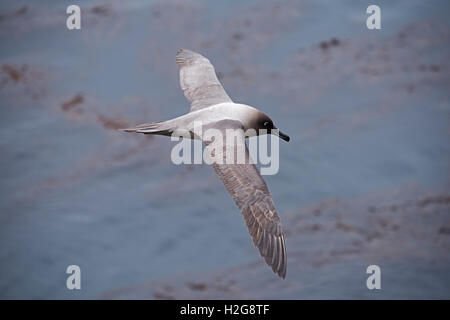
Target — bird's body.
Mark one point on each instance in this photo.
(208, 116)
(211, 107)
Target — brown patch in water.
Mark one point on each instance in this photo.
(101, 10)
(163, 296)
(197, 286)
(112, 123)
(22, 81)
(444, 230)
(334, 42)
(72, 103)
(15, 73)
(15, 13)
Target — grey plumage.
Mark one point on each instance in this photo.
(198, 80)
(211, 104)
(252, 196)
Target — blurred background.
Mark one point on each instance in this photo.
(365, 179)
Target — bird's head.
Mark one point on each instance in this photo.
(263, 122)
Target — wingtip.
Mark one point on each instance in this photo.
(282, 274)
(186, 56)
(181, 50)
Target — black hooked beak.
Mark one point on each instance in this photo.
(280, 134)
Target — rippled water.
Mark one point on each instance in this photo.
(364, 180)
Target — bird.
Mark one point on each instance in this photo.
(210, 104)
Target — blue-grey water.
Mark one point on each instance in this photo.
(365, 179)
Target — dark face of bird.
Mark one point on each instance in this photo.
(264, 122)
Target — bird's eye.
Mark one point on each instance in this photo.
(266, 123)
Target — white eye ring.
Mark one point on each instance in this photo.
(266, 123)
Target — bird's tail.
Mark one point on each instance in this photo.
(161, 128)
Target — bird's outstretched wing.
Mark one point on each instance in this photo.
(253, 198)
(199, 81)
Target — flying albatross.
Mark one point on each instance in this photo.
(213, 107)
